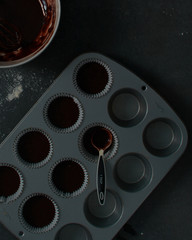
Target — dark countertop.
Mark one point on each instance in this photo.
(154, 40)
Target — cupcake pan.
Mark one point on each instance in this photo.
(148, 139)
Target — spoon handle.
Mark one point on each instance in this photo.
(101, 179)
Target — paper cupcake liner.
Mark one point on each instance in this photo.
(68, 194)
(33, 229)
(16, 195)
(23, 161)
(108, 86)
(67, 129)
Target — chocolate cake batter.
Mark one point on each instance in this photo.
(39, 211)
(68, 176)
(92, 78)
(24, 26)
(9, 181)
(33, 147)
(63, 112)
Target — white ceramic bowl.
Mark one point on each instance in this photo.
(57, 13)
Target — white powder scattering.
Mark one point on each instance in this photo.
(168, 12)
(183, 33)
(15, 93)
(14, 87)
(16, 82)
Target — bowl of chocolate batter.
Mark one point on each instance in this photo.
(26, 29)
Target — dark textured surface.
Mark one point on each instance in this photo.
(154, 40)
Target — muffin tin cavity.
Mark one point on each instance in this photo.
(11, 183)
(162, 137)
(93, 78)
(127, 107)
(133, 172)
(63, 113)
(33, 148)
(73, 232)
(39, 213)
(103, 215)
(68, 178)
(86, 146)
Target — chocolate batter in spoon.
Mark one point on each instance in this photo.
(101, 140)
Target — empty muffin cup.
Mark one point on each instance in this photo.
(133, 172)
(93, 78)
(38, 213)
(127, 107)
(34, 148)
(103, 215)
(86, 147)
(68, 178)
(11, 183)
(162, 137)
(73, 232)
(63, 113)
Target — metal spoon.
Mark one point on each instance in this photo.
(101, 140)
